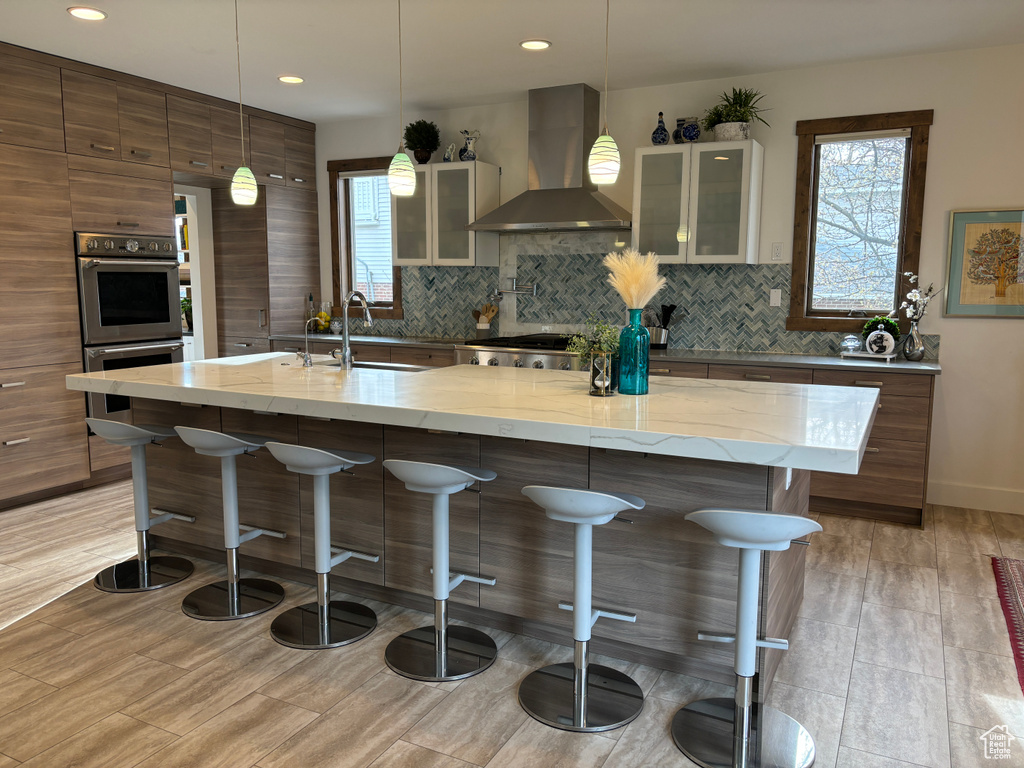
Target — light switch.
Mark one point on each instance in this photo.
(775, 297)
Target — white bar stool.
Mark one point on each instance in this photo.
(727, 733)
(581, 696)
(326, 623)
(143, 572)
(441, 652)
(235, 598)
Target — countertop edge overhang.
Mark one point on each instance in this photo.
(693, 418)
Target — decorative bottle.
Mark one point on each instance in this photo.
(634, 356)
(660, 134)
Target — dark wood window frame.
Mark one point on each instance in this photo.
(801, 317)
(340, 214)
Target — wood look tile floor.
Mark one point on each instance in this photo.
(900, 658)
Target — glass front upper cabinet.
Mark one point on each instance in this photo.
(410, 224)
(715, 208)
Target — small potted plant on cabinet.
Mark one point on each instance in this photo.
(730, 118)
(423, 138)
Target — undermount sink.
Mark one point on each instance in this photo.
(378, 366)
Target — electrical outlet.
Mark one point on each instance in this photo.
(775, 297)
(776, 251)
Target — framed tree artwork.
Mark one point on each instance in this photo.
(986, 268)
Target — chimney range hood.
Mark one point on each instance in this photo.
(561, 198)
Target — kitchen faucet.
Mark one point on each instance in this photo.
(307, 359)
(346, 350)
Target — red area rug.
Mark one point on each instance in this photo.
(1010, 584)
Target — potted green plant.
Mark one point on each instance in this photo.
(186, 310)
(597, 345)
(731, 117)
(423, 138)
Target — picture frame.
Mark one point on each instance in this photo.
(985, 271)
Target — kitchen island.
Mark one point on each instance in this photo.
(689, 444)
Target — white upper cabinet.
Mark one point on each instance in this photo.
(430, 226)
(698, 203)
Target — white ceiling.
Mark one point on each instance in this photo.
(464, 52)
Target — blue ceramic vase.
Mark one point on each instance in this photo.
(660, 134)
(634, 356)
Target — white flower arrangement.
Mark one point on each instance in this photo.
(916, 304)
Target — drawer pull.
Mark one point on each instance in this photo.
(10, 384)
(101, 147)
(227, 167)
(266, 413)
(297, 179)
(262, 317)
(198, 164)
(757, 376)
(243, 344)
(291, 349)
(127, 223)
(275, 176)
(870, 450)
(660, 370)
(141, 153)
(868, 383)
(17, 442)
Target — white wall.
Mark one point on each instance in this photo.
(975, 161)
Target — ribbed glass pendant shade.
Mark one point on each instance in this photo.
(604, 160)
(243, 187)
(401, 176)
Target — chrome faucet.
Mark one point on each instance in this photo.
(346, 350)
(307, 359)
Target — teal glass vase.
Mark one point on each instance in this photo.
(634, 356)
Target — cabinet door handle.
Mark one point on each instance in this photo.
(291, 349)
(757, 376)
(870, 450)
(243, 344)
(101, 147)
(9, 384)
(127, 223)
(142, 153)
(660, 370)
(198, 164)
(17, 442)
(297, 179)
(227, 167)
(275, 175)
(262, 319)
(868, 384)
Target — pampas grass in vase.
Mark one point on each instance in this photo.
(635, 277)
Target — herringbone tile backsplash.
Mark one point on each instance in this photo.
(721, 306)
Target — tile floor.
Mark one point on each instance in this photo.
(900, 657)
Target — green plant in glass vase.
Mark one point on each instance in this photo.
(597, 345)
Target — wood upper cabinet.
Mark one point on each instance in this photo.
(300, 157)
(268, 151)
(227, 145)
(90, 115)
(142, 118)
(189, 134)
(38, 292)
(30, 104)
(115, 197)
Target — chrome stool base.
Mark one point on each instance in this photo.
(301, 627)
(213, 601)
(613, 699)
(703, 731)
(414, 654)
(127, 576)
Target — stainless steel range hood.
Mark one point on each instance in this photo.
(560, 198)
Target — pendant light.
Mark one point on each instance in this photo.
(243, 183)
(604, 157)
(401, 176)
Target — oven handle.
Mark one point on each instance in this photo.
(131, 263)
(111, 350)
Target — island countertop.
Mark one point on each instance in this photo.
(787, 425)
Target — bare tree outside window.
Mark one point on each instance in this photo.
(859, 207)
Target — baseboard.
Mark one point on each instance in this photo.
(976, 497)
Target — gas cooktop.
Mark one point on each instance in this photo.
(552, 341)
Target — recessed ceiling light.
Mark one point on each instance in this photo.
(535, 45)
(290, 79)
(84, 12)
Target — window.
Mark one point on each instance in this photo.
(857, 228)
(361, 234)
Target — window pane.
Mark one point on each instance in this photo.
(370, 202)
(857, 227)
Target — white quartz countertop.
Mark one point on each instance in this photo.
(788, 425)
